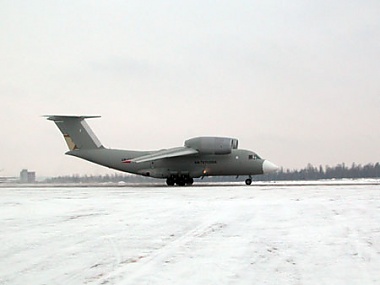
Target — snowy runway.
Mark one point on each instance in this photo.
(193, 235)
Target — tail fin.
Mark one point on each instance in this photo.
(76, 131)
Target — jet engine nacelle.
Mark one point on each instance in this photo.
(212, 145)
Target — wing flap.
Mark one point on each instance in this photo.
(165, 153)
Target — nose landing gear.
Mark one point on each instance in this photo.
(248, 181)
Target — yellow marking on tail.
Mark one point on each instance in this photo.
(70, 143)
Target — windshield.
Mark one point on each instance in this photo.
(254, 156)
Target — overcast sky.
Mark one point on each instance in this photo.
(296, 81)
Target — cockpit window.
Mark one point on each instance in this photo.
(254, 156)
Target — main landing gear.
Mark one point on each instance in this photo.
(179, 180)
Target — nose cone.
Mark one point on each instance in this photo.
(269, 167)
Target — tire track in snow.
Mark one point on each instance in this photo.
(133, 268)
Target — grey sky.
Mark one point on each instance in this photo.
(296, 81)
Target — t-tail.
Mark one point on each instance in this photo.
(77, 133)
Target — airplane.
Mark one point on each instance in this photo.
(199, 157)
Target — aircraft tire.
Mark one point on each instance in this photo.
(181, 182)
(190, 181)
(170, 181)
(248, 181)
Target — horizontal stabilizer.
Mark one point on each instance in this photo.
(61, 118)
(166, 153)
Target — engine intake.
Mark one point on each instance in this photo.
(212, 145)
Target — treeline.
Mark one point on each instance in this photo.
(340, 171)
(113, 178)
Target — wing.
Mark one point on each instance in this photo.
(165, 153)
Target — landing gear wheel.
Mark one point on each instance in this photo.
(190, 181)
(170, 181)
(181, 182)
(248, 181)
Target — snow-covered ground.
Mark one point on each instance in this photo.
(273, 234)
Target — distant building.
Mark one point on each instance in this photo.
(27, 177)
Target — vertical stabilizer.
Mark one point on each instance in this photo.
(76, 131)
